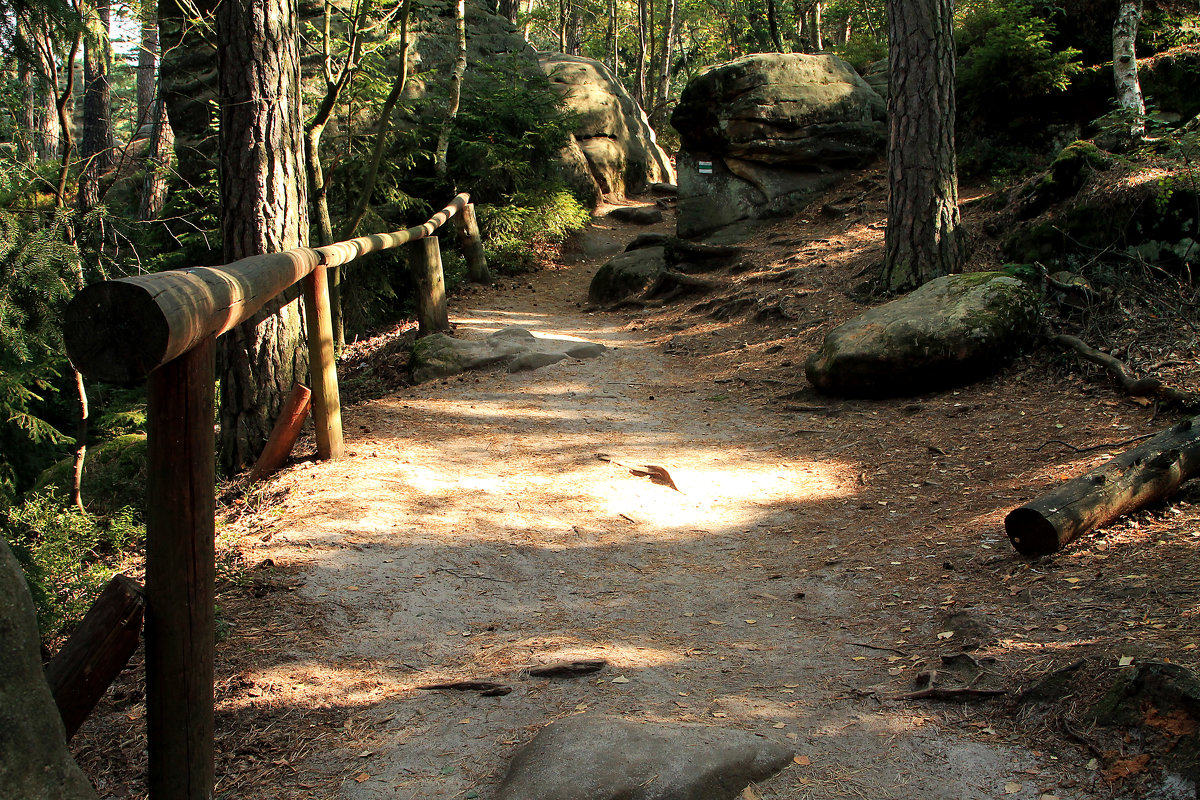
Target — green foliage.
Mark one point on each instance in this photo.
(67, 556)
(36, 275)
(514, 232)
(860, 53)
(114, 475)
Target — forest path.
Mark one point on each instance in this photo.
(472, 531)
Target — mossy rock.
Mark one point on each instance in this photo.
(950, 331)
(627, 274)
(114, 475)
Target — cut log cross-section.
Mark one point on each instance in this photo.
(1145, 474)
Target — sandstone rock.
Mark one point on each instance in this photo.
(587, 757)
(764, 134)
(638, 215)
(440, 356)
(613, 136)
(34, 761)
(947, 332)
(647, 240)
(627, 274)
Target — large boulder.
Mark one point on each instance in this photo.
(948, 332)
(586, 757)
(626, 275)
(612, 135)
(763, 135)
(34, 761)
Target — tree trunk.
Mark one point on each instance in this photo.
(818, 41)
(147, 66)
(509, 9)
(1148, 473)
(25, 135)
(613, 36)
(264, 209)
(158, 163)
(664, 77)
(1125, 71)
(97, 145)
(923, 238)
(639, 80)
(773, 26)
(441, 164)
(45, 89)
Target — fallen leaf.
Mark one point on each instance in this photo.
(1125, 661)
(620, 679)
(803, 761)
(779, 725)
(1074, 580)
(749, 794)
(1061, 628)
(945, 634)
(1012, 787)
(751, 621)
(362, 776)
(715, 622)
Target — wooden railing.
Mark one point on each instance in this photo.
(162, 328)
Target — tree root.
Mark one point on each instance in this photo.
(1132, 386)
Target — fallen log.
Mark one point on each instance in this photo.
(1130, 384)
(97, 651)
(1145, 474)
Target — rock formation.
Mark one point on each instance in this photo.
(762, 135)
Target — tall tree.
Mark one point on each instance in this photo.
(147, 64)
(97, 146)
(264, 209)
(923, 238)
(1125, 70)
(440, 164)
(664, 76)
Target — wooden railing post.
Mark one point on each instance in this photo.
(425, 261)
(180, 570)
(467, 228)
(322, 366)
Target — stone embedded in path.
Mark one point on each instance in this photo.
(34, 760)
(626, 275)
(948, 332)
(440, 356)
(638, 215)
(587, 757)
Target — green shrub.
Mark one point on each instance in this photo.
(861, 53)
(530, 223)
(67, 555)
(114, 475)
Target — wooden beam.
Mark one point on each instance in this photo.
(97, 651)
(180, 576)
(322, 365)
(467, 227)
(425, 261)
(119, 331)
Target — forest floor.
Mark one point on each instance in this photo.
(817, 560)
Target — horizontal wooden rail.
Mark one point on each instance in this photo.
(119, 331)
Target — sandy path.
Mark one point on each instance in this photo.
(473, 532)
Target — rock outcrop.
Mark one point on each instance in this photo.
(613, 139)
(34, 760)
(588, 757)
(762, 135)
(628, 274)
(948, 332)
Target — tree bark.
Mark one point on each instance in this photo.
(1147, 473)
(923, 238)
(147, 66)
(1125, 70)
(639, 79)
(668, 53)
(158, 163)
(818, 40)
(441, 164)
(613, 36)
(264, 209)
(97, 146)
(773, 26)
(509, 9)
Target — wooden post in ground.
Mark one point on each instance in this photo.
(467, 228)
(97, 651)
(180, 576)
(322, 366)
(283, 435)
(425, 261)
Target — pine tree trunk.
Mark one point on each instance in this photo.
(147, 66)
(613, 36)
(639, 79)
(773, 26)
(818, 40)
(923, 238)
(264, 209)
(158, 163)
(96, 149)
(1125, 70)
(45, 87)
(441, 165)
(509, 9)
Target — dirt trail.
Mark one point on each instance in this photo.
(473, 532)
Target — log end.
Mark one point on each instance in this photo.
(1030, 532)
(115, 332)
